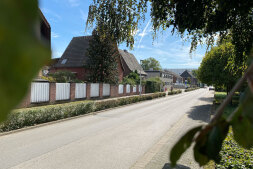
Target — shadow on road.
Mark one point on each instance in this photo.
(201, 113)
(206, 99)
(167, 166)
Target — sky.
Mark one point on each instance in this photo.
(68, 19)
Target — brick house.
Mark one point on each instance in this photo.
(75, 57)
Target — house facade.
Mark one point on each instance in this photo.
(75, 58)
(165, 77)
(187, 75)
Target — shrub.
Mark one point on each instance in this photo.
(110, 103)
(234, 156)
(191, 89)
(153, 85)
(31, 116)
(174, 92)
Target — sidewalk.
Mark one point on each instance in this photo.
(158, 156)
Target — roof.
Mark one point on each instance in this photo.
(131, 61)
(44, 19)
(75, 53)
(187, 73)
(173, 73)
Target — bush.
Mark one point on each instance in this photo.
(174, 92)
(153, 85)
(31, 116)
(110, 103)
(191, 89)
(234, 156)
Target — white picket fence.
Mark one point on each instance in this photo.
(80, 90)
(39, 92)
(121, 89)
(62, 91)
(128, 88)
(106, 90)
(94, 90)
(134, 89)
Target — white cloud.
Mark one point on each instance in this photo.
(55, 35)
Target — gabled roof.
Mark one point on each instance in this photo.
(173, 74)
(75, 54)
(131, 61)
(186, 74)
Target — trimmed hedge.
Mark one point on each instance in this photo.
(21, 118)
(191, 89)
(174, 92)
(110, 103)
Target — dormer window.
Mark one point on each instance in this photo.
(63, 62)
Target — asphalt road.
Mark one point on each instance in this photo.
(113, 139)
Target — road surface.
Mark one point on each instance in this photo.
(114, 139)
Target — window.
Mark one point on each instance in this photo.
(63, 61)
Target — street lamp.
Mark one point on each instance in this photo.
(140, 78)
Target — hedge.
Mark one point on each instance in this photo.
(234, 156)
(174, 92)
(191, 89)
(110, 103)
(31, 116)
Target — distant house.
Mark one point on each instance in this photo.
(186, 75)
(75, 57)
(177, 79)
(130, 63)
(164, 76)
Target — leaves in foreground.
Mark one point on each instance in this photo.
(21, 50)
(182, 145)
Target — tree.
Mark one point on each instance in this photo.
(133, 78)
(214, 68)
(102, 59)
(151, 63)
(199, 21)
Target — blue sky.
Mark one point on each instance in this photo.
(68, 17)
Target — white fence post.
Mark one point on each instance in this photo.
(121, 89)
(62, 91)
(39, 92)
(80, 90)
(106, 89)
(94, 90)
(128, 88)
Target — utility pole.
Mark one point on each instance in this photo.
(140, 79)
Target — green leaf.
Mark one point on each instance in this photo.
(242, 122)
(209, 145)
(21, 50)
(182, 145)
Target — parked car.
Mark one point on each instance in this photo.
(211, 88)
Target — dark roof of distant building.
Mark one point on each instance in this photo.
(131, 61)
(75, 53)
(173, 73)
(186, 74)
